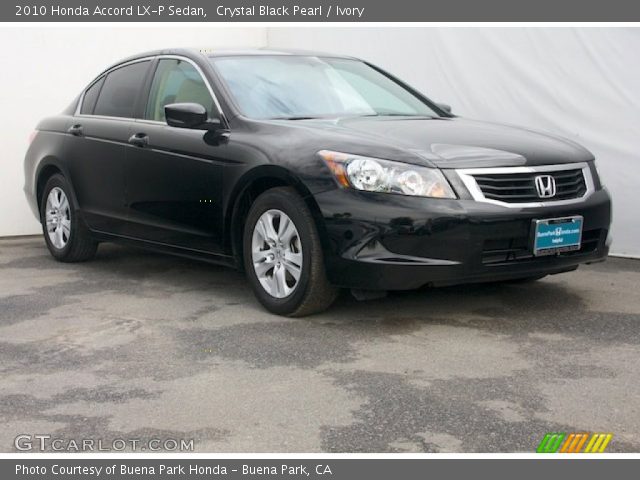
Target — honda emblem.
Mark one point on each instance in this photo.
(545, 186)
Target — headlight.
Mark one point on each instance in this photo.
(377, 175)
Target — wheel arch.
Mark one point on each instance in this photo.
(248, 188)
(48, 167)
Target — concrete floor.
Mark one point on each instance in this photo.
(140, 345)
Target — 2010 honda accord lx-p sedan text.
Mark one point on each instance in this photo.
(311, 173)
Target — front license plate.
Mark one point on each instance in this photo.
(556, 235)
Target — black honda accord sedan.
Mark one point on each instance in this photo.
(310, 172)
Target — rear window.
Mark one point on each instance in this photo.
(121, 90)
(90, 97)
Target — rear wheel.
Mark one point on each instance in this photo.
(283, 257)
(67, 238)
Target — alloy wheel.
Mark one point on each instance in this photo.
(58, 218)
(276, 253)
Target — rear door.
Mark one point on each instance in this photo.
(98, 142)
(174, 175)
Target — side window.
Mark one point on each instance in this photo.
(90, 97)
(121, 90)
(176, 81)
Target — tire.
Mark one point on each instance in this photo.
(281, 293)
(74, 243)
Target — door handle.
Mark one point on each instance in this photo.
(75, 130)
(139, 140)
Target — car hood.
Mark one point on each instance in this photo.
(455, 142)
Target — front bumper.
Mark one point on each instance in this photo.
(378, 241)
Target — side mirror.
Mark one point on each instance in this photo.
(444, 106)
(190, 115)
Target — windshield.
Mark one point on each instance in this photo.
(298, 87)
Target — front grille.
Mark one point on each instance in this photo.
(520, 187)
(518, 249)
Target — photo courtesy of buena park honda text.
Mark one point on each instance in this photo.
(327, 239)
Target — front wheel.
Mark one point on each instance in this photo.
(283, 256)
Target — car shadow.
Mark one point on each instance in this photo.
(550, 304)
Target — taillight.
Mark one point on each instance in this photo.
(32, 135)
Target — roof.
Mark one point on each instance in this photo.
(223, 52)
(227, 52)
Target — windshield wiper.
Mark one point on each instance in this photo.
(410, 115)
(294, 118)
(303, 117)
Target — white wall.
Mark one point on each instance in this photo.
(583, 83)
(44, 68)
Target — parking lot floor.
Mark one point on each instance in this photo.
(138, 345)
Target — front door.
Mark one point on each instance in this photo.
(174, 177)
